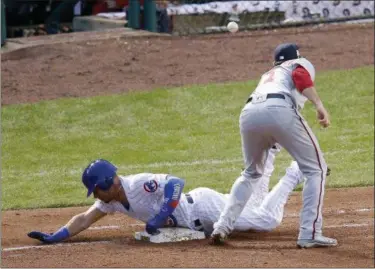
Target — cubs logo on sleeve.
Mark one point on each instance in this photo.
(150, 186)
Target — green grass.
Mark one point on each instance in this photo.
(46, 145)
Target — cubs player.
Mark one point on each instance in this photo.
(271, 115)
(158, 201)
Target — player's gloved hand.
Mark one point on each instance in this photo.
(45, 238)
(151, 229)
(153, 224)
(58, 236)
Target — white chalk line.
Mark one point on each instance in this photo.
(162, 164)
(54, 245)
(104, 227)
(364, 209)
(113, 227)
(350, 225)
(137, 225)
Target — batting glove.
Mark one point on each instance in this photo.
(153, 224)
(58, 236)
(45, 238)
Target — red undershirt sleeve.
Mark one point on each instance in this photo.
(301, 79)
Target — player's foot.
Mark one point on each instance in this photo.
(319, 241)
(217, 238)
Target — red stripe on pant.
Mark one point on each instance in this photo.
(320, 166)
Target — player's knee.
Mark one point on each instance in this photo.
(277, 222)
(270, 220)
(273, 224)
(269, 226)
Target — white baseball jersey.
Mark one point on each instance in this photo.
(279, 80)
(145, 193)
(207, 204)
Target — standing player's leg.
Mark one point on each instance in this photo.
(302, 144)
(255, 146)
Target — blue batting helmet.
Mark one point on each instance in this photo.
(285, 52)
(98, 173)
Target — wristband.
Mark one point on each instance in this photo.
(60, 235)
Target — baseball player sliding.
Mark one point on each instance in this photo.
(158, 201)
(271, 115)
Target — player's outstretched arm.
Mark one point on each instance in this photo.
(76, 225)
(172, 194)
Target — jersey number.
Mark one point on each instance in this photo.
(269, 76)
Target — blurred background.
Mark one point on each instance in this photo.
(23, 18)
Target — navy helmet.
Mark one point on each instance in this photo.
(285, 52)
(99, 173)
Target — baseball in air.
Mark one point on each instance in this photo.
(232, 27)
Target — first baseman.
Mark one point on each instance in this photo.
(158, 200)
(271, 115)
